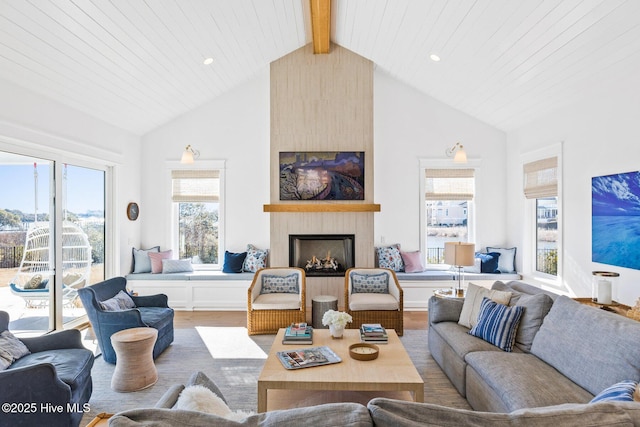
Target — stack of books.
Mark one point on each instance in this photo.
(298, 333)
(373, 333)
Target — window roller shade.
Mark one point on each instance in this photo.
(195, 186)
(449, 184)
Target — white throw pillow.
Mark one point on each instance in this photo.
(473, 300)
(200, 399)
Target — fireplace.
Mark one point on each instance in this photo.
(322, 254)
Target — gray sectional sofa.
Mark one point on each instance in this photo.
(565, 352)
(380, 412)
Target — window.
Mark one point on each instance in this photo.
(541, 187)
(448, 199)
(196, 196)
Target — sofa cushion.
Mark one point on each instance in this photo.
(444, 309)
(73, 365)
(373, 301)
(233, 262)
(580, 341)
(473, 299)
(619, 392)
(255, 260)
(497, 324)
(517, 380)
(536, 308)
(377, 283)
(141, 261)
(156, 260)
(413, 261)
(176, 266)
(507, 260)
(329, 414)
(389, 257)
(398, 413)
(460, 341)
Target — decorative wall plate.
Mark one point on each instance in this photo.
(133, 211)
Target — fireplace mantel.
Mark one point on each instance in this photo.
(322, 207)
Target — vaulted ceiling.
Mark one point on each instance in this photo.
(138, 64)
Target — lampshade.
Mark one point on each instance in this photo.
(459, 253)
(189, 155)
(461, 156)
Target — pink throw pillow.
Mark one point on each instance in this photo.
(156, 260)
(412, 262)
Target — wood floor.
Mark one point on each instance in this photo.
(187, 319)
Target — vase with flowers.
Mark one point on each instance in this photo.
(336, 320)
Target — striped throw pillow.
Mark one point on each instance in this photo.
(497, 323)
(620, 392)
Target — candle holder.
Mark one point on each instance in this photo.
(603, 287)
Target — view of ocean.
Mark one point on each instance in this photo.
(616, 240)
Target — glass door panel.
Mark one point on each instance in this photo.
(83, 235)
(26, 243)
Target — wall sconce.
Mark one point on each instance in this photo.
(189, 155)
(457, 152)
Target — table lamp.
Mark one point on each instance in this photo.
(459, 254)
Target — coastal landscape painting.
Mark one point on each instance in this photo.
(615, 219)
(325, 175)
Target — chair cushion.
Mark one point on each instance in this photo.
(276, 284)
(73, 365)
(121, 301)
(12, 347)
(157, 317)
(377, 283)
(369, 301)
(276, 302)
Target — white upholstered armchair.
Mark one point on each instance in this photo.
(373, 295)
(276, 298)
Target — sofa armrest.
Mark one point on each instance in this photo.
(170, 397)
(62, 339)
(159, 300)
(444, 309)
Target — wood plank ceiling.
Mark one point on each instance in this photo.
(138, 64)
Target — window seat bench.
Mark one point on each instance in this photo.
(419, 287)
(199, 290)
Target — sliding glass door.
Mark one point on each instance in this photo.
(52, 240)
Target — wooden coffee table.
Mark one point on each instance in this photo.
(392, 375)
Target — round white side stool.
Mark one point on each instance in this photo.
(135, 369)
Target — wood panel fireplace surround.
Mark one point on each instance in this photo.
(322, 255)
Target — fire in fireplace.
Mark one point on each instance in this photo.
(322, 254)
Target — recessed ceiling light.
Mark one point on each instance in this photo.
(208, 61)
(434, 57)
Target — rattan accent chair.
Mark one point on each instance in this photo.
(373, 307)
(269, 310)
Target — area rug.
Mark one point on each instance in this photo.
(233, 359)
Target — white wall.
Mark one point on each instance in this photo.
(234, 127)
(600, 136)
(41, 126)
(409, 126)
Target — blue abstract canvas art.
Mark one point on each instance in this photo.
(615, 220)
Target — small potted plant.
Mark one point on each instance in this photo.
(336, 320)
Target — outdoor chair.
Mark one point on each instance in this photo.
(276, 298)
(373, 295)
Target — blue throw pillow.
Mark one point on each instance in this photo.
(620, 392)
(489, 262)
(497, 323)
(233, 262)
(369, 283)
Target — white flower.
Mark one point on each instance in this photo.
(336, 318)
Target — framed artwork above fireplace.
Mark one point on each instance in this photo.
(322, 175)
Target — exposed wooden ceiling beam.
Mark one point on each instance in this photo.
(321, 25)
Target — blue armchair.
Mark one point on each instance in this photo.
(150, 311)
(57, 374)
